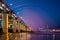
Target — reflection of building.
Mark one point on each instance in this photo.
(9, 22)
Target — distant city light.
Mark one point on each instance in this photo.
(53, 30)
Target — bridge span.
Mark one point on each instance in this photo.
(12, 27)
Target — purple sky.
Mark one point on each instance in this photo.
(37, 13)
(33, 20)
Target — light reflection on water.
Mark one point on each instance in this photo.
(27, 36)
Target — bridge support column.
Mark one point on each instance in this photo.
(5, 26)
(14, 26)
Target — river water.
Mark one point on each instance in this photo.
(28, 36)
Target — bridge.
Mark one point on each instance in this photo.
(12, 26)
(10, 23)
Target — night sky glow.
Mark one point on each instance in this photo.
(37, 13)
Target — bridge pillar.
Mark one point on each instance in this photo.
(18, 26)
(14, 26)
(5, 25)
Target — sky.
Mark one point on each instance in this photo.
(37, 13)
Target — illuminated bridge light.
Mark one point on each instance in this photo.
(1, 7)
